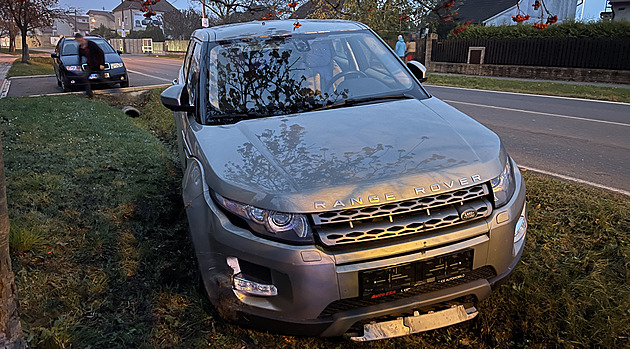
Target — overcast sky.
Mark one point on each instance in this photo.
(592, 8)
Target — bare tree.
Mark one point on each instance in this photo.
(10, 328)
(8, 28)
(180, 24)
(29, 15)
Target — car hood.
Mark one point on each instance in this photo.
(74, 59)
(318, 161)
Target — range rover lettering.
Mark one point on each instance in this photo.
(328, 193)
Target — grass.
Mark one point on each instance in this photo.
(616, 94)
(35, 66)
(113, 267)
(18, 52)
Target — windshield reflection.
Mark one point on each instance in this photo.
(291, 74)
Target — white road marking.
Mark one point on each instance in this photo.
(577, 180)
(531, 94)
(150, 76)
(539, 113)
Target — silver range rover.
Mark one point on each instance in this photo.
(328, 193)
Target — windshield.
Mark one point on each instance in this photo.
(289, 74)
(71, 47)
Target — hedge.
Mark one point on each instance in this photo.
(594, 30)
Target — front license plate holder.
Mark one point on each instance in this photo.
(382, 282)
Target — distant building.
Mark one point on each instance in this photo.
(69, 24)
(500, 12)
(98, 17)
(128, 16)
(620, 10)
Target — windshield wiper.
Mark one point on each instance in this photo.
(354, 101)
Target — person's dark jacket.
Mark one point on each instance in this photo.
(93, 54)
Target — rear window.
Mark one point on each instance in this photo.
(71, 47)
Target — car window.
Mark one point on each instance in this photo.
(187, 57)
(192, 78)
(289, 74)
(71, 47)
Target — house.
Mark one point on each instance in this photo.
(128, 16)
(620, 10)
(500, 12)
(69, 24)
(99, 17)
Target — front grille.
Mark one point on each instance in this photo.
(485, 272)
(84, 66)
(401, 218)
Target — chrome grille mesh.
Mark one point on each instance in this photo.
(401, 218)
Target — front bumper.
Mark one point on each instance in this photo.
(318, 289)
(110, 76)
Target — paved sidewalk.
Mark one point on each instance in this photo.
(537, 80)
(5, 64)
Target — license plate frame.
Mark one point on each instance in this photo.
(377, 283)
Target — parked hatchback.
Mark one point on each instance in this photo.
(69, 70)
(329, 193)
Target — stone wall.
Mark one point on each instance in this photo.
(531, 72)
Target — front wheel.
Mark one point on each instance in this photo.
(124, 83)
(63, 85)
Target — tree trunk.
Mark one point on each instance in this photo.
(24, 47)
(10, 328)
(11, 43)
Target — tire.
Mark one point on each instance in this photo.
(126, 82)
(63, 85)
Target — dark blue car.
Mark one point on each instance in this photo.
(69, 70)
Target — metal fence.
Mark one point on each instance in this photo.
(564, 52)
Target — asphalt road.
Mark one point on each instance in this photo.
(142, 70)
(583, 139)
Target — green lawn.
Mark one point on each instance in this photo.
(615, 94)
(102, 257)
(18, 52)
(35, 66)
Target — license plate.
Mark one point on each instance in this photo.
(387, 281)
(93, 76)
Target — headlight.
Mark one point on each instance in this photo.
(115, 65)
(73, 68)
(503, 185)
(288, 227)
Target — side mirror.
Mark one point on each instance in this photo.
(418, 69)
(54, 55)
(172, 98)
(119, 52)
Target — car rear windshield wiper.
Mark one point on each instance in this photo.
(354, 101)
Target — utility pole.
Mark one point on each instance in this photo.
(204, 20)
(75, 21)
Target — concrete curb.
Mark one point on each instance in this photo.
(31, 76)
(113, 91)
(4, 87)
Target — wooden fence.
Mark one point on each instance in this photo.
(564, 52)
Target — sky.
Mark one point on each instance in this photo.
(592, 8)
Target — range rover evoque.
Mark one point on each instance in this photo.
(328, 193)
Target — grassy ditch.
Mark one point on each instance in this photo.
(18, 52)
(35, 66)
(615, 94)
(102, 258)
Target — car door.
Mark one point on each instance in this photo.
(189, 76)
(56, 59)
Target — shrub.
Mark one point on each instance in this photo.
(593, 30)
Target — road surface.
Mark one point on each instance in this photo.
(142, 70)
(582, 139)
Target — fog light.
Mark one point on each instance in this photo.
(519, 232)
(122, 78)
(106, 75)
(72, 81)
(254, 288)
